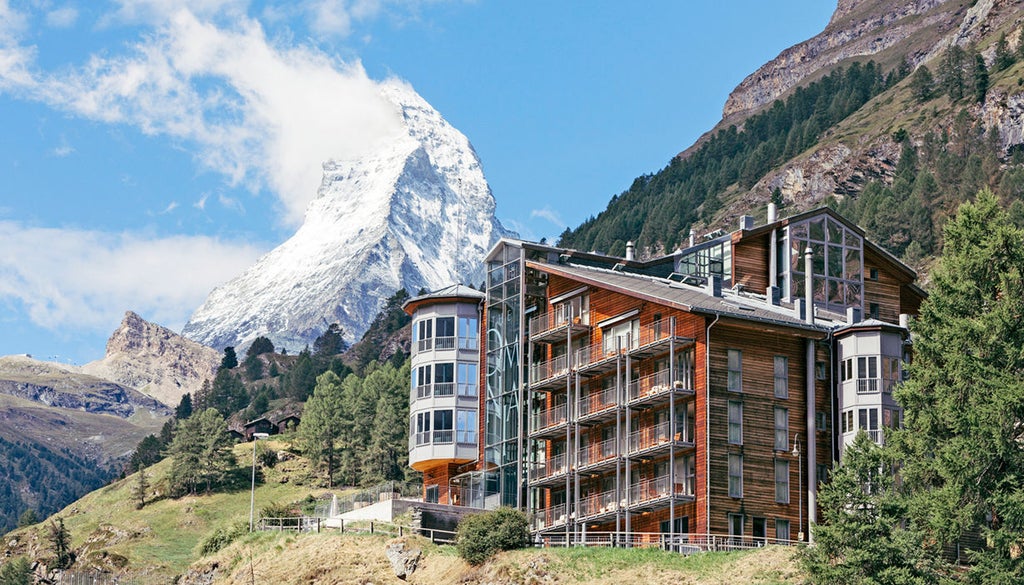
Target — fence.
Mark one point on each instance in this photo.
(681, 543)
(337, 505)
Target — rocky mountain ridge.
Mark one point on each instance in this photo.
(154, 360)
(418, 213)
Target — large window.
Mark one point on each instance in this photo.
(837, 265)
(781, 529)
(576, 309)
(735, 475)
(782, 481)
(465, 427)
(781, 429)
(621, 336)
(423, 335)
(469, 333)
(467, 379)
(781, 376)
(444, 379)
(421, 381)
(686, 475)
(890, 373)
(444, 333)
(443, 427)
(422, 429)
(735, 422)
(710, 259)
(867, 374)
(735, 382)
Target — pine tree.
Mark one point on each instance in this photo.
(1004, 57)
(184, 408)
(230, 359)
(962, 462)
(260, 346)
(60, 542)
(140, 488)
(860, 538)
(980, 78)
(322, 424)
(922, 84)
(28, 518)
(147, 452)
(16, 571)
(202, 453)
(389, 437)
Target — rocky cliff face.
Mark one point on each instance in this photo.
(416, 214)
(154, 360)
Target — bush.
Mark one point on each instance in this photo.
(222, 537)
(483, 535)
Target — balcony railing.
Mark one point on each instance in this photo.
(650, 437)
(444, 437)
(867, 385)
(597, 401)
(425, 344)
(659, 487)
(597, 452)
(549, 418)
(466, 437)
(423, 438)
(601, 351)
(467, 389)
(548, 517)
(444, 388)
(556, 465)
(554, 319)
(444, 342)
(423, 391)
(549, 369)
(658, 382)
(597, 504)
(469, 343)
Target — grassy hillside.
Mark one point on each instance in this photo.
(162, 542)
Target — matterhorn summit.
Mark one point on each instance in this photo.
(417, 213)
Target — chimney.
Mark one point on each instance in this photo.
(746, 222)
(629, 250)
(905, 320)
(809, 286)
(714, 285)
(853, 315)
(772, 212)
(693, 237)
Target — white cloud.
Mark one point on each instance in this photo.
(78, 279)
(62, 17)
(548, 214)
(200, 204)
(263, 115)
(230, 203)
(170, 207)
(63, 150)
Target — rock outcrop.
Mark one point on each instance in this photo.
(155, 360)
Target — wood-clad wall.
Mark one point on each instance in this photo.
(439, 476)
(750, 263)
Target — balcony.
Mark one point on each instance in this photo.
(653, 493)
(657, 338)
(546, 375)
(597, 359)
(548, 518)
(425, 345)
(867, 385)
(423, 438)
(443, 389)
(653, 439)
(424, 391)
(596, 506)
(598, 405)
(549, 472)
(555, 325)
(659, 386)
(549, 422)
(444, 343)
(444, 437)
(598, 456)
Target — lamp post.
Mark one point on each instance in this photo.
(800, 485)
(252, 491)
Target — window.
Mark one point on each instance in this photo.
(781, 481)
(781, 529)
(432, 495)
(686, 475)
(735, 475)
(819, 370)
(872, 274)
(421, 381)
(890, 373)
(822, 473)
(781, 429)
(469, 333)
(422, 428)
(848, 422)
(444, 379)
(821, 421)
(735, 524)
(443, 426)
(781, 376)
(465, 427)
(444, 334)
(867, 375)
(467, 379)
(577, 309)
(735, 370)
(621, 336)
(423, 335)
(873, 310)
(735, 422)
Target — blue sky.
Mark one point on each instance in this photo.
(150, 150)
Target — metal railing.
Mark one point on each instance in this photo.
(423, 438)
(469, 343)
(660, 381)
(597, 452)
(867, 385)
(556, 465)
(466, 437)
(425, 344)
(444, 437)
(600, 351)
(684, 543)
(468, 389)
(597, 401)
(447, 342)
(549, 418)
(650, 436)
(444, 388)
(424, 391)
(597, 504)
(653, 489)
(556, 318)
(548, 517)
(549, 369)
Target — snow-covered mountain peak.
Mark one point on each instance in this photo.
(416, 213)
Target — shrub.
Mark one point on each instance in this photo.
(483, 535)
(222, 537)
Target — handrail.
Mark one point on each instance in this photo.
(555, 465)
(548, 418)
(596, 504)
(549, 369)
(683, 543)
(597, 452)
(447, 342)
(658, 382)
(596, 401)
(651, 436)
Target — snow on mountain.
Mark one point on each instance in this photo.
(417, 213)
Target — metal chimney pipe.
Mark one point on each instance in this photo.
(808, 286)
(772, 212)
(630, 249)
(693, 237)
